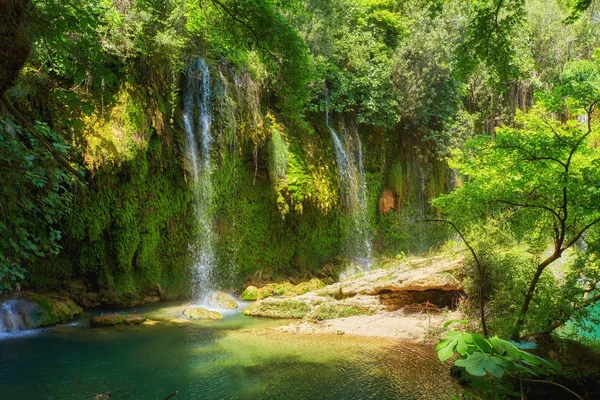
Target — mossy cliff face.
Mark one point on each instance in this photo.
(278, 210)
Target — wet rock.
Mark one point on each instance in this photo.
(108, 320)
(201, 313)
(222, 300)
(26, 310)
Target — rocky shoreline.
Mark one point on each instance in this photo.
(410, 300)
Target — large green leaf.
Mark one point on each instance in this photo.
(478, 364)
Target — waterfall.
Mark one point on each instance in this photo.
(10, 318)
(353, 187)
(363, 221)
(197, 124)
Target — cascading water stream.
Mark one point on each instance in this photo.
(363, 214)
(345, 169)
(10, 318)
(354, 193)
(197, 124)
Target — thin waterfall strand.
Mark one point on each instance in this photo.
(197, 124)
(354, 194)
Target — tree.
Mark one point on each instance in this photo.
(541, 176)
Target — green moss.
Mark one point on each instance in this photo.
(250, 294)
(333, 310)
(54, 309)
(309, 286)
(288, 308)
(396, 179)
(287, 289)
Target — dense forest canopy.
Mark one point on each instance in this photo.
(94, 179)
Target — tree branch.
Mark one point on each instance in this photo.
(580, 233)
(550, 383)
(257, 37)
(480, 269)
(526, 205)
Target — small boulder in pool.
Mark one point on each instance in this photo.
(201, 313)
(222, 300)
(107, 320)
(250, 294)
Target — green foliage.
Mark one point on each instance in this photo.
(35, 197)
(489, 38)
(243, 26)
(539, 180)
(415, 75)
(487, 361)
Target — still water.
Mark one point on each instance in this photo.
(237, 357)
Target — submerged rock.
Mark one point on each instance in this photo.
(107, 320)
(201, 313)
(26, 310)
(222, 300)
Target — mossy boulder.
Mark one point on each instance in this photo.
(201, 313)
(222, 300)
(279, 308)
(55, 309)
(108, 320)
(33, 310)
(250, 294)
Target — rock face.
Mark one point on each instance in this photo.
(82, 295)
(116, 320)
(413, 282)
(27, 310)
(201, 313)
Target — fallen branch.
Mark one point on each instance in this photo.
(172, 395)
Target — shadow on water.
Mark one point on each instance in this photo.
(235, 358)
